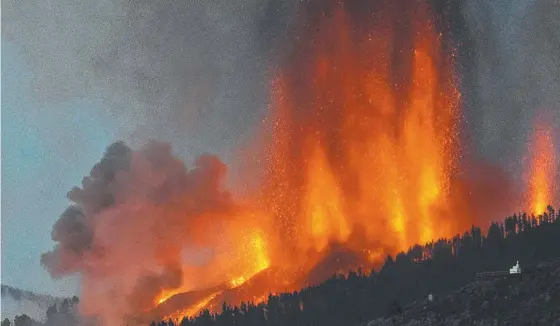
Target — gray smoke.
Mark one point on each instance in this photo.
(173, 69)
(133, 215)
(167, 69)
(514, 61)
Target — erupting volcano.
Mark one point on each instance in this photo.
(359, 157)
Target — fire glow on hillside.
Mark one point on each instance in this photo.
(360, 158)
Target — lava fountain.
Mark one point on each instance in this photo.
(543, 166)
(364, 124)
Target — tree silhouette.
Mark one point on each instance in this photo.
(23, 320)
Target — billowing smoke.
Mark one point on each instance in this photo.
(132, 217)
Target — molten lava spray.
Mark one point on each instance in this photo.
(543, 167)
(360, 161)
(364, 123)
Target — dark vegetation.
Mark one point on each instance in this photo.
(436, 268)
(530, 299)
(59, 314)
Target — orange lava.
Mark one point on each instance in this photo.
(164, 296)
(191, 311)
(352, 150)
(543, 167)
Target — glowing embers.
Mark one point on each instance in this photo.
(237, 281)
(258, 245)
(251, 253)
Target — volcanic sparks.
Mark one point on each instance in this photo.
(360, 143)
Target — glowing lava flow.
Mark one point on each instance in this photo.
(164, 296)
(252, 252)
(192, 310)
(543, 167)
(251, 256)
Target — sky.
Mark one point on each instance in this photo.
(77, 76)
(39, 165)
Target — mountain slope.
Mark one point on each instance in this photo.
(535, 297)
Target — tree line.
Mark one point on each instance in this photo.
(58, 314)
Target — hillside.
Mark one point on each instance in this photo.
(25, 308)
(440, 267)
(371, 298)
(18, 302)
(533, 298)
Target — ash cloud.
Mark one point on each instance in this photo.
(172, 69)
(167, 69)
(511, 66)
(131, 219)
